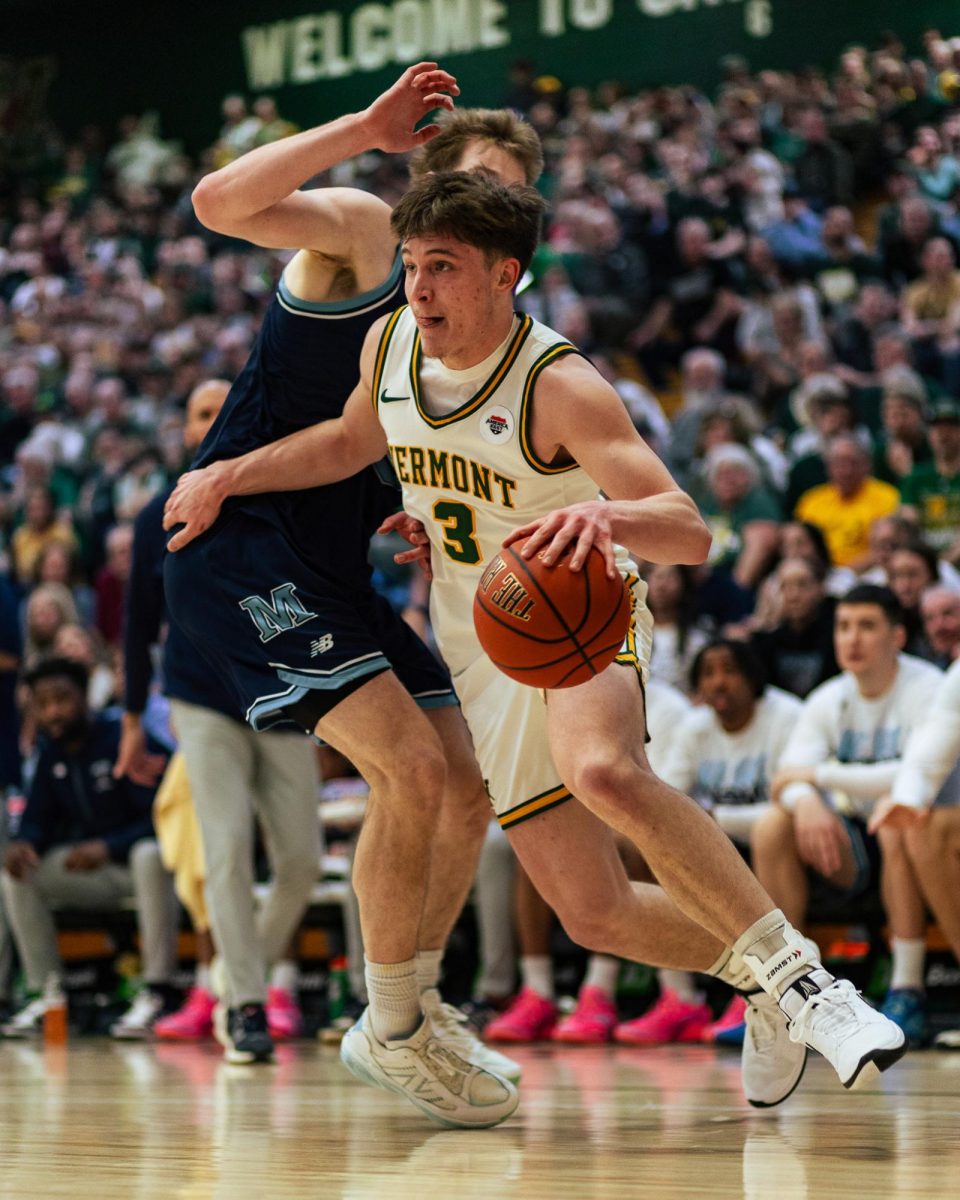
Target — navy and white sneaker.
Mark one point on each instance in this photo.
(243, 1033)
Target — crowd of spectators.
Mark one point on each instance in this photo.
(768, 276)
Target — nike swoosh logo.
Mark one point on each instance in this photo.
(385, 399)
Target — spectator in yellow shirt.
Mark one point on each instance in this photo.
(846, 506)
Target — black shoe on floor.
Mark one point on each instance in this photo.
(243, 1033)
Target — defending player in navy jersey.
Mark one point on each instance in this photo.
(278, 598)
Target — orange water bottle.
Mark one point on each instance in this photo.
(54, 1012)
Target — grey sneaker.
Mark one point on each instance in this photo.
(854, 1038)
(453, 1030)
(433, 1077)
(771, 1063)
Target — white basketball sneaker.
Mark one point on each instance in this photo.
(771, 1063)
(835, 1019)
(432, 1076)
(452, 1029)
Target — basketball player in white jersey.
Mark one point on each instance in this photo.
(499, 430)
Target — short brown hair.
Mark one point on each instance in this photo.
(499, 126)
(475, 208)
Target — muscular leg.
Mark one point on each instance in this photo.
(572, 860)
(407, 778)
(596, 735)
(458, 835)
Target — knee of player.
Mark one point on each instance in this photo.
(587, 922)
(607, 781)
(417, 770)
(591, 931)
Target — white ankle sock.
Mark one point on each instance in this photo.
(682, 983)
(909, 956)
(731, 969)
(394, 998)
(201, 977)
(284, 974)
(536, 971)
(778, 954)
(428, 968)
(603, 973)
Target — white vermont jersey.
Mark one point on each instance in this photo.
(469, 473)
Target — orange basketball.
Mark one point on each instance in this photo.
(548, 626)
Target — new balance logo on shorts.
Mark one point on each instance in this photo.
(321, 645)
(282, 612)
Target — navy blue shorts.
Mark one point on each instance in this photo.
(281, 635)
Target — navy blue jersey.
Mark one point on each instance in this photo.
(186, 674)
(302, 369)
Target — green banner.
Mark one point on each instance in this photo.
(319, 59)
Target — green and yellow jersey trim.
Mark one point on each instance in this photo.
(383, 346)
(480, 398)
(537, 804)
(560, 350)
(629, 656)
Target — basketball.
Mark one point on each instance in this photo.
(548, 626)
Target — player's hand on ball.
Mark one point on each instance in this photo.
(583, 525)
(412, 531)
(392, 117)
(195, 504)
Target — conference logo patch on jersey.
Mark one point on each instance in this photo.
(496, 426)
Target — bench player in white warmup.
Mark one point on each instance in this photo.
(437, 379)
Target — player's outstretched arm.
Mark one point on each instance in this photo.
(578, 415)
(322, 454)
(256, 197)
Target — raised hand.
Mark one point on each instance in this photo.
(391, 119)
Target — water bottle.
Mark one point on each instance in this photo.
(54, 1012)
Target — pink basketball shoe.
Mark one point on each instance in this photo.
(192, 1022)
(591, 1022)
(284, 1018)
(530, 1018)
(670, 1020)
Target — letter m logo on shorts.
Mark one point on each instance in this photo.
(282, 612)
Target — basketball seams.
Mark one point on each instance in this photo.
(535, 582)
(576, 659)
(608, 622)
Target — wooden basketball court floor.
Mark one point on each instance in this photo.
(100, 1119)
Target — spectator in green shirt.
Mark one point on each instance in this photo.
(931, 492)
(743, 517)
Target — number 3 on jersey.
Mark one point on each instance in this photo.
(459, 530)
